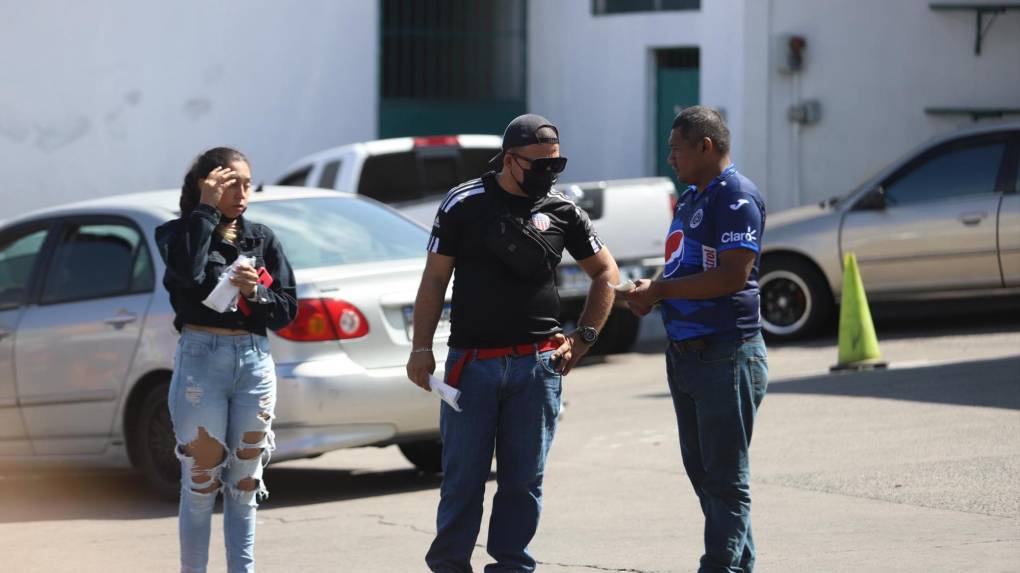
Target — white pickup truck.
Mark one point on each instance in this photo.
(413, 174)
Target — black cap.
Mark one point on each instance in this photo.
(527, 129)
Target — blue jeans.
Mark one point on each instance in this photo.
(716, 394)
(227, 386)
(509, 405)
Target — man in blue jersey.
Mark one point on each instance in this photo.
(716, 361)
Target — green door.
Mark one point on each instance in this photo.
(676, 84)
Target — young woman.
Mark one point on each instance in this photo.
(223, 390)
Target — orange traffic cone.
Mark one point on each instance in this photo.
(858, 344)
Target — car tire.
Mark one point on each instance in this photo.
(427, 456)
(795, 298)
(619, 334)
(154, 443)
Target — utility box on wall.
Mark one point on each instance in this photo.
(807, 112)
(790, 51)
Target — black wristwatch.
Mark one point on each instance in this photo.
(588, 335)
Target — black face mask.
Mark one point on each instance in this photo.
(536, 183)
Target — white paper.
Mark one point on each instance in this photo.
(223, 298)
(447, 393)
(626, 286)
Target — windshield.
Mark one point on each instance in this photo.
(328, 231)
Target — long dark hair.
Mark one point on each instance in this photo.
(200, 168)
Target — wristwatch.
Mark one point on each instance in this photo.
(588, 335)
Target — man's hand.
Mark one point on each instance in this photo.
(641, 299)
(420, 366)
(572, 349)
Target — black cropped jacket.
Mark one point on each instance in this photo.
(195, 256)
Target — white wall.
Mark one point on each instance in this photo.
(874, 65)
(113, 97)
(594, 77)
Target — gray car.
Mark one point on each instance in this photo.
(942, 222)
(87, 342)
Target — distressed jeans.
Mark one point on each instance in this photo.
(225, 385)
(716, 394)
(509, 406)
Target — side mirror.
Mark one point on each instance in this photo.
(873, 200)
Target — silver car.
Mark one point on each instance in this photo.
(87, 342)
(942, 222)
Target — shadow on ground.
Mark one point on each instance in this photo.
(988, 383)
(52, 495)
(908, 320)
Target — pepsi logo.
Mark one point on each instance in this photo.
(674, 252)
(541, 221)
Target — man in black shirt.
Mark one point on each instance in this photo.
(501, 237)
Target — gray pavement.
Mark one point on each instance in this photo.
(913, 469)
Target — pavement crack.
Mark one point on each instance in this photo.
(573, 566)
(983, 542)
(381, 520)
(286, 521)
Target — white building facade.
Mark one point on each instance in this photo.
(95, 101)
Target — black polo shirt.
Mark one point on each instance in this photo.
(493, 307)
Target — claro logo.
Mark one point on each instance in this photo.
(751, 235)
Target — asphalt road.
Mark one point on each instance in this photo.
(910, 470)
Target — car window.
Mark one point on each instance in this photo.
(475, 161)
(297, 178)
(94, 261)
(18, 254)
(957, 172)
(326, 231)
(421, 173)
(329, 173)
(390, 177)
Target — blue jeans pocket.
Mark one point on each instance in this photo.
(262, 345)
(547, 363)
(759, 370)
(195, 348)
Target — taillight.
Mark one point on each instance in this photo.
(435, 140)
(321, 319)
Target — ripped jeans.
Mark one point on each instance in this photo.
(223, 389)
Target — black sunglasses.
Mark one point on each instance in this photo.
(551, 164)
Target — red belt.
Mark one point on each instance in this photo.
(453, 376)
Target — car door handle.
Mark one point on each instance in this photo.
(121, 319)
(974, 218)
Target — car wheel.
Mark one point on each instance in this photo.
(427, 456)
(795, 299)
(619, 334)
(154, 444)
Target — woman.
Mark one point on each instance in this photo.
(223, 390)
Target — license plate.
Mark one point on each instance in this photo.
(572, 281)
(442, 329)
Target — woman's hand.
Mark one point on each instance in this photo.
(245, 278)
(213, 186)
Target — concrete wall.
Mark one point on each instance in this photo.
(113, 97)
(874, 65)
(594, 77)
(98, 99)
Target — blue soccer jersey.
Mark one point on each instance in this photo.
(728, 214)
